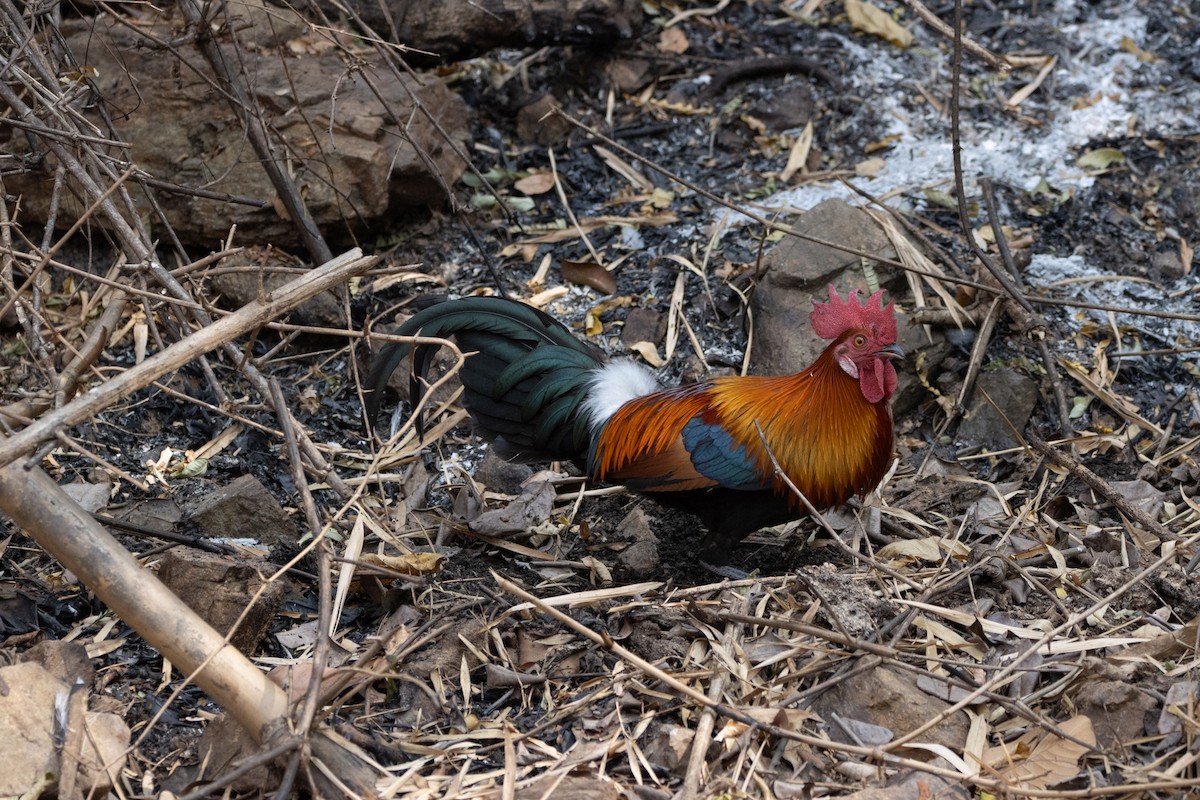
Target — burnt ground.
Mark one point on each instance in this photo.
(970, 553)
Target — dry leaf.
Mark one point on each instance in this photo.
(948, 636)
(600, 571)
(885, 143)
(661, 198)
(798, 157)
(932, 549)
(673, 40)
(407, 563)
(869, 19)
(309, 401)
(585, 273)
(648, 352)
(1048, 759)
(592, 325)
(869, 168)
(1101, 158)
(537, 183)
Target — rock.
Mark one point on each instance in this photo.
(1171, 723)
(498, 475)
(668, 745)
(1014, 393)
(783, 108)
(257, 271)
(460, 29)
(641, 557)
(1118, 711)
(635, 527)
(91, 497)
(223, 745)
(527, 510)
(219, 590)
(889, 698)
(848, 603)
(159, 513)
(355, 161)
(242, 509)
(913, 786)
(629, 74)
(29, 749)
(536, 124)
(66, 661)
(798, 271)
(643, 325)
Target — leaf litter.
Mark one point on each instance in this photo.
(497, 647)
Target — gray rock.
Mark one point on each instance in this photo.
(641, 557)
(268, 270)
(498, 475)
(1013, 393)
(798, 272)
(1117, 709)
(30, 748)
(242, 509)
(355, 161)
(219, 589)
(643, 325)
(67, 661)
(889, 698)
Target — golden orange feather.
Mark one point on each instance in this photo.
(830, 441)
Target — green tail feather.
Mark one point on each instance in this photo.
(525, 390)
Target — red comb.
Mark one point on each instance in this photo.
(830, 320)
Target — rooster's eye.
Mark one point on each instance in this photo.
(860, 341)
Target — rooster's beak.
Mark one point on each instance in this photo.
(890, 352)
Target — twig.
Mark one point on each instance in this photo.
(934, 21)
(694, 778)
(252, 118)
(307, 713)
(1103, 487)
(1056, 386)
(604, 640)
(137, 377)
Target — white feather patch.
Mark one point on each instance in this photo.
(614, 385)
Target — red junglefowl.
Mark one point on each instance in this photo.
(538, 393)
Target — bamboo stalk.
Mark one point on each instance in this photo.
(49, 516)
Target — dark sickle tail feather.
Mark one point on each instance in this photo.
(525, 376)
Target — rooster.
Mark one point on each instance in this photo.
(538, 393)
